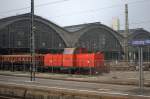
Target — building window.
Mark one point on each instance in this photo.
(21, 33)
(43, 44)
(19, 43)
(4, 39)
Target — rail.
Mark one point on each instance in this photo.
(9, 97)
(28, 92)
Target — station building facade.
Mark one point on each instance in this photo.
(15, 34)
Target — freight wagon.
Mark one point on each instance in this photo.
(19, 62)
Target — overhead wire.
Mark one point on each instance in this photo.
(98, 9)
(55, 2)
(60, 1)
(75, 13)
(40, 5)
(134, 23)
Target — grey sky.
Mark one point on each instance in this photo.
(71, 12)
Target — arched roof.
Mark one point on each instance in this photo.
(139, 34)
(70, 38)
(77, 34)
(61, 32)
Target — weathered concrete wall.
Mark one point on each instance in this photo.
(28, 92)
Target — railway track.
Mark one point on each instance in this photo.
(58, 88)
(9, 97)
